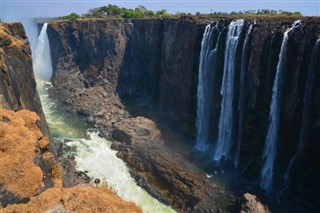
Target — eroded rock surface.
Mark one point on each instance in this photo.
(251, 204)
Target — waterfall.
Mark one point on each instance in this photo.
(304, 133)
(205, 87)
(224, 142)
(243, 75)
(42, 58)
(270, 149)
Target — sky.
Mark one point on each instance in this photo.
(14, 10)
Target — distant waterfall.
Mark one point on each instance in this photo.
(314, 63)
(243, 75)
(205, 86)
(224, 142)
(270, 149)
(42, 59)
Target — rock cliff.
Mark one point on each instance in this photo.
(99, 65)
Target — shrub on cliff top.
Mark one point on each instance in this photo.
(72, 16)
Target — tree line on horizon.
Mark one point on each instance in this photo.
(115, 11)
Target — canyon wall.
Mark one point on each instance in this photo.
(18, 92)
(155, 62)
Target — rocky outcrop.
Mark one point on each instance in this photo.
(251, 204)
(102, 65)
(24, 135)
(27, 173)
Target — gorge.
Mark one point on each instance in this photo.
(153, 65)
(202, 110)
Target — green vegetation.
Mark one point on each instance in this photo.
(114, 11)
(72, 16)
(264, 12)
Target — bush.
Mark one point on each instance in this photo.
(129, 13)
(72, 17)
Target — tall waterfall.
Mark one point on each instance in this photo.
(42, 58)
(243, 75)
(205, 87)
(224, 142)
(270, 149)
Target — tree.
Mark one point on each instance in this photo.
(143, 9)
(94, 12)
(149, 13)
(72, 16)
(163, 13)
(129, 13)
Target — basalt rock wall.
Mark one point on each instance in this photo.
(152, 60)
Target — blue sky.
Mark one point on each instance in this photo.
(13, 10)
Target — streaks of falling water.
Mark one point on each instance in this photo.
(270, 149)
(314, 63)
(224, 142)
(304, 132)
(205, 87)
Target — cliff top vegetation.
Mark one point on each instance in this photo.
(114, 11)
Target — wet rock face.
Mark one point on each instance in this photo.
(18, 92)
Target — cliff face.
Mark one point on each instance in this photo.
(18, 91)
(156, 63)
